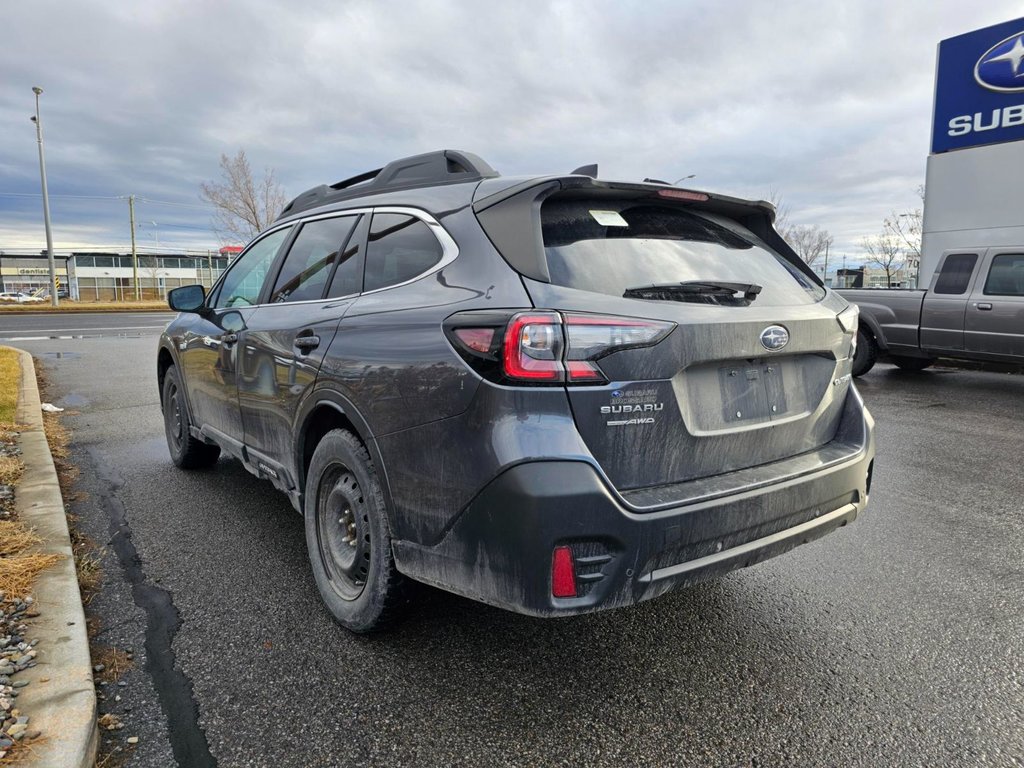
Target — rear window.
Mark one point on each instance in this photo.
(603, 247)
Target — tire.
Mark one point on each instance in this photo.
(348, 538)
(866, 355)
(912, 363)
(186, 451)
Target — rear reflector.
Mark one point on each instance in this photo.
(682, 194)
(563, 573)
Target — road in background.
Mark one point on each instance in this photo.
(894, 641)
(23, 326)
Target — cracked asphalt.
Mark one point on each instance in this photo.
(895, 641)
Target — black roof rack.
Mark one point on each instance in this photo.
(446, 166)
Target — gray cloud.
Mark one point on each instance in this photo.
(829, 105)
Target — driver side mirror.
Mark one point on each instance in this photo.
(188, 298)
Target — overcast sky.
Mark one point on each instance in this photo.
(827, 103)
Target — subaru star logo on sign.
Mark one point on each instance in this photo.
(774, 338)
(999, 69)
(979, 88)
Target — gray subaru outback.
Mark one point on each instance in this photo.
(553, 394)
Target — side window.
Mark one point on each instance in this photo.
(242, 284)
(956, 273)
(399, 248)
(348, 275)
(309, 262)
(1006, 275)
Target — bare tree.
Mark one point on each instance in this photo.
(244, 206)
(809, 241)
(781, 211)
(885, 251)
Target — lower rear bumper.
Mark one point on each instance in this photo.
(499, 549)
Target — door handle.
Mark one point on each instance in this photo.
(307, 343)
(985, 306)
(229, 338)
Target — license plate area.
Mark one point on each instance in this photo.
(752, 391)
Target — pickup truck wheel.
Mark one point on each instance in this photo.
(186, 451)
(866, 354)
(912, 363)
(347, 536)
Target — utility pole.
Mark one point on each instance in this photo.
(824, 273)
(135, 255)
(46, 200)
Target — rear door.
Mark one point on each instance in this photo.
(995, 315)
(288, 334)
(742, 380)
(945, 304)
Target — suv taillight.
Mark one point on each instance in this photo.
(547, 347)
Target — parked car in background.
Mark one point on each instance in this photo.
(973, 310)
(18, 297)
(553, 394)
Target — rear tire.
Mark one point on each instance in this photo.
(912, 363)
(348, 538)
(866, 355)
(186, 451)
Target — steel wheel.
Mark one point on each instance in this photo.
(343, 531)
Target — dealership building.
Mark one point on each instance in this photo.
(88, 276)
(976, 166)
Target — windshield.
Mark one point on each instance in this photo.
(607, 247)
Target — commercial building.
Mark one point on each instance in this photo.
(89, 276)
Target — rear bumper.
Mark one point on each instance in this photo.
(499, 549)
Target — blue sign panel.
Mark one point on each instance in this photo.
(979, 88)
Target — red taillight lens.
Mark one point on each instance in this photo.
(476, 339)
(563, 573)
(533, 347)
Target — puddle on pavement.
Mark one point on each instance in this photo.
(75, 400)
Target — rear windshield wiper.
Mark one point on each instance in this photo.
(699, 291)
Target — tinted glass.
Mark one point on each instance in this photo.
(348, 275)
(956, 273)
(309, 262)
(1006, 275)
(607, 247)
(243, 283)
(399, 248)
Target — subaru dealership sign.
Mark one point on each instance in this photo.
(979, 88)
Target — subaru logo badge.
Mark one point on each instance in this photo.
(1001, 67)
(774, 338)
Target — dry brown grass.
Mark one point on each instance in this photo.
(115, 662)
(15, 538)
(19, 572)
(11, 469)
(10, 378)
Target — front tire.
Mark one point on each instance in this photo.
(348, 538)
(186, 451)
(866, 355)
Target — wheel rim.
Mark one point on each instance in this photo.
(343, 531)
(175, 422)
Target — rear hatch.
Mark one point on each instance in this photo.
(749, 372)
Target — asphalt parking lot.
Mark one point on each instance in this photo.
(896, 641)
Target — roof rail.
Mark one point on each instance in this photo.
(446, 166)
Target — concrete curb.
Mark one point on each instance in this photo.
(63, 707)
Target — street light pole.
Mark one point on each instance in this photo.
(46, 200)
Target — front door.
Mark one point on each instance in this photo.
(995, 312)
(209, 355)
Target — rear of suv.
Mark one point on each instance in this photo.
(552, 394)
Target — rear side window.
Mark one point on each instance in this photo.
(309, 262)
(1006, 275)
(605, 247)
(399, 248)
(956, 273)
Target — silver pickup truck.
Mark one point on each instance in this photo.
(973, 310)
